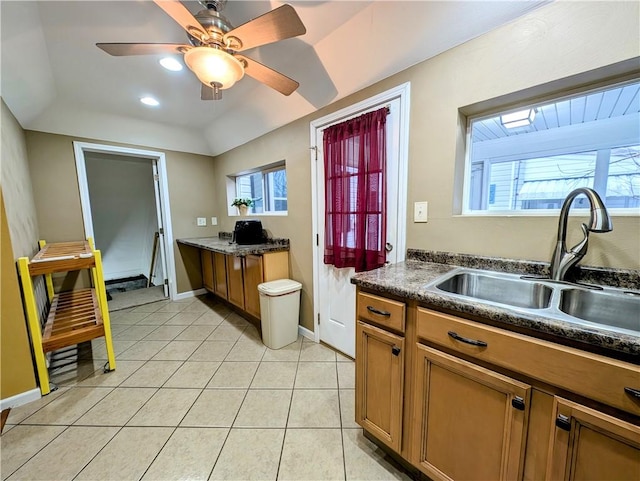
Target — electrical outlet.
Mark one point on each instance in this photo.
(214, 221)
(201, 221)
(420, 212)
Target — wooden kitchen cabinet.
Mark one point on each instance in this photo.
(220, 274)
(470, 422)
(481, 402)
(269, 266)
(587, 444)
(380, 383)
(206, 260)
(253, 275)
(235, 284)
(236, 278)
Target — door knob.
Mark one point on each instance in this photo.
(388, 247)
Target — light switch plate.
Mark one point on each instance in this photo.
(201, 221)
(420, 210)
(214, 221)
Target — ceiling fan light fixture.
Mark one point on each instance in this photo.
(212, 65)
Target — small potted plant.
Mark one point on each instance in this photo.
(242, 205)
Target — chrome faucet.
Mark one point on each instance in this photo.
(599, 221)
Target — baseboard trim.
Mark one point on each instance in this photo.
(112, 276)
(186, 295)
(303, 331)
(20, 399)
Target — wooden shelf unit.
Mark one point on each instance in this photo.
(74, 316)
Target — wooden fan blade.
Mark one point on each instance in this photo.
(268, 76)
(180, 14)
(278, 24)
(121, 49)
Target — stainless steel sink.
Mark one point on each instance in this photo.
(501, 288)
(601, 307)
(617, 310)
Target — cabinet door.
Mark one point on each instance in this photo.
(275, 265)
(470, 422)
(206, 259)
(235, 287)
(220, 274)
(379, 383)
(589, 445)
(252, 277)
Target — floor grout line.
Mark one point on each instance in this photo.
(246, 335)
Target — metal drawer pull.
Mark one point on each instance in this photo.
(563, 422)
(518, 403)
(466, 340)
(633, 392)
(395, 350)
(378, 311)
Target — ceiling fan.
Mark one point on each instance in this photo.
(214, 45)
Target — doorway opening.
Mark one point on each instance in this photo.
(333, 294)
(125, 209)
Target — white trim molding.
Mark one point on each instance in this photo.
(402, 93)
(189, 294)
(304, 332)
(79, 149)
(20, 399)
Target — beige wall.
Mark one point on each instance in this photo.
(17, 189)
(290, 143)
(18, 237)
(16, 367)
(57, 198)
(555, 42)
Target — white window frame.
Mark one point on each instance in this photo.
(593, 144)
(232, 191)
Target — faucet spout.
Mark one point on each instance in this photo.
(599, 221)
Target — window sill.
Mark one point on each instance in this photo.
(548, 213)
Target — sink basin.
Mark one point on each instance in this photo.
(615, 310)
(604, 308)
(501, 288)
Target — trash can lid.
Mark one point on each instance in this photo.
(279, 287)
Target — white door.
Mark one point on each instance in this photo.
(336, 296)
(160, 271)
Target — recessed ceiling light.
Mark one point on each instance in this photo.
(171, 63)
(150, 101)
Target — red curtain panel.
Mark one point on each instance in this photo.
(355, 192)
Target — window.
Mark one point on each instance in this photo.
(531, 158)
(267, 187)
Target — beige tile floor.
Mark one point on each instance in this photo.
(196, 395)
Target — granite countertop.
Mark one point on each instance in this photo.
(225, 246)
(409, 280)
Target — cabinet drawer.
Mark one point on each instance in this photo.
(381, 311)
(597, 377)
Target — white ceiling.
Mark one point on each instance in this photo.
(55, 79)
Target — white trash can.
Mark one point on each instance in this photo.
(279, 312)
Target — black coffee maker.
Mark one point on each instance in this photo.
(248, 232)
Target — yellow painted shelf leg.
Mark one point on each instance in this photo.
(104, 307)
(34, 324)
